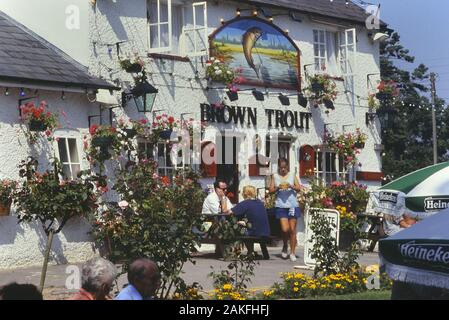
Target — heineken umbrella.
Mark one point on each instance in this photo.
(419, 254)
(423, 192)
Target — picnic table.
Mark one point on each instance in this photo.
(211, 238)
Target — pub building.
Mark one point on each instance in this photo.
(241, 67)
(273, 48)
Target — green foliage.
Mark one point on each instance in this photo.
(48, 198)
(240, 270)
(299, 286)
(7, 190)
(321, 87)
(408, 143)
(346, 145)
(155, 220)
(325, 250)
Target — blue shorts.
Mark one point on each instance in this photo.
(282, 213)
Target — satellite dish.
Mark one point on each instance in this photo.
(379, 36)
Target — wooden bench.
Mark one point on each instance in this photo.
(249, 241)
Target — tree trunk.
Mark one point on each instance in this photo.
(46, 256)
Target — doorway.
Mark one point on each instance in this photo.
(227, 166)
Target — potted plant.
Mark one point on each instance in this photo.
(387, 90)
(104, 138)
(38, 118)
(322, 90)
(132, 65)
(7, 189)
(346, 145)
(163, 126)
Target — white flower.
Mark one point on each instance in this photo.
(217, 61)
(212, 59)
(119, 135)
(124, 133)
(229, 72)
(216, 68)
(218, 72)
(123, 204)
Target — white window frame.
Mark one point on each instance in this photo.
(325, 173)
(196, 30)
(67, 134)
(322, 56)
(348, 60)
(160, 49)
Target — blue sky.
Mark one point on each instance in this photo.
(424, 30)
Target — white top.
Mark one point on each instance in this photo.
(211, 204)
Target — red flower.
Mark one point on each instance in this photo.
(48, 133)
(165, 181)
(143, 121)
(93, 129)
(171, 119)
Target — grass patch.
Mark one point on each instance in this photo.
(368, 295)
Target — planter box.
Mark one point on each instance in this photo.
(5, 210)
(165, 135)
(37, 126)
(102, 141)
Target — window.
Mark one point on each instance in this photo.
(325, 53)
(319, 48)
(159, 15)
(330, 167)
(348, 49)
(162, 154)
(195, 31)
(69, 157)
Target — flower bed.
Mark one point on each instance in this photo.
(297, 285)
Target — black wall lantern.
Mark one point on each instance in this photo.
(285, 101)
(302, 100)
(370, 117)
(386, 117)
(258, 95)
(144, 95)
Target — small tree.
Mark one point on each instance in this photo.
(52, 201)
(156, 219)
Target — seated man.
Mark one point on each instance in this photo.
(394, 224)
(217, 202)
(254, 210)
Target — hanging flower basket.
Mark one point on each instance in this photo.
(387, 90)
(5, 209)
(130, 133)
(102, 141)
(360, 145)
(37, 125)
(322, 90)
(165, 134)
(132, 66)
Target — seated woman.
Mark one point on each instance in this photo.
(254, 210)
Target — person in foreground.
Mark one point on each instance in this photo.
(15, 291)
(97, 280)
(144, 280)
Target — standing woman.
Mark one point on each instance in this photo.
(286, 186)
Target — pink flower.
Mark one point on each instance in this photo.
(123, 204)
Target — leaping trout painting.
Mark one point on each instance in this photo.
(264, 54)
(248, 42)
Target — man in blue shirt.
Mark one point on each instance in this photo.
(144, 280)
